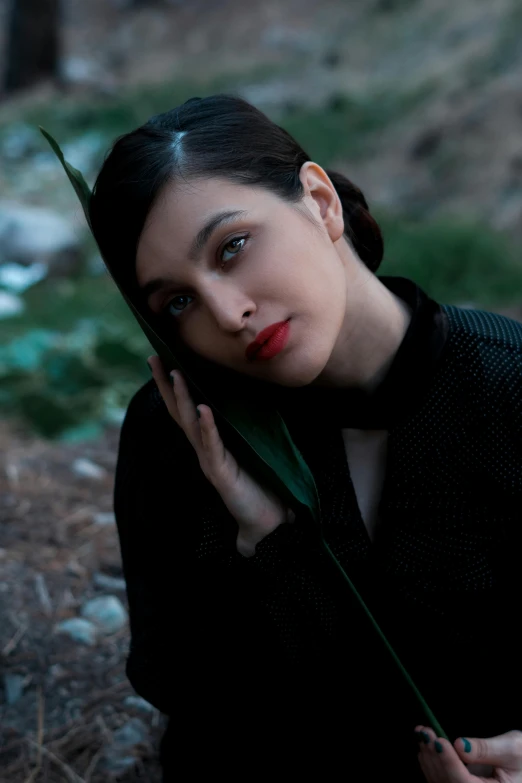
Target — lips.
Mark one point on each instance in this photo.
(263, 337)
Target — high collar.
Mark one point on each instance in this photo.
(400, 391)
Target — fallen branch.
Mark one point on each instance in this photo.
(69, 773)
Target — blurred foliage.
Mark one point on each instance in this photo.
(454, 261)
(70, 362)
(348, 125)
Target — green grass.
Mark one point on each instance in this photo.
(348, 126)
(113, 115)
(454, 261)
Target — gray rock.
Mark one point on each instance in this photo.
(19, 141)
(104, 518)
(106, 612)
(31, 234)
(88, 469)
(117, 756)
(78, 629)
(14, 687)
(139, 704)
(108, 582)
(80, 70)
(10, 305)
(17, 278)
(130, 734)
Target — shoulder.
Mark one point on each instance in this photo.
(483, 330)
(486, 350)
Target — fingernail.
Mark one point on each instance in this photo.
(418, 736)
(199, 414)
(467, 745)
(438, 747)
(148, 365)
(172, 378)
(425, 737)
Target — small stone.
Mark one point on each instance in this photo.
(117, 756)
(104, 518)
(106, 612)
(14, 687)
(139, 704)
(10, 305)
(79, 630)
(17, 278)
(131, 733)
(75, 568)
(108, 582)
(87, 469)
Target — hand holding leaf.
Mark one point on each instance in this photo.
(256, 509)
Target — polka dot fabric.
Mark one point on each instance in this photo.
(442, 577)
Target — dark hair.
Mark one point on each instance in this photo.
(218, 136)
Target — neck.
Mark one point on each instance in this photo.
(375, 323)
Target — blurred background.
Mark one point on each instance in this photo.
(419, 102)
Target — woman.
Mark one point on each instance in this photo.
(409, 414)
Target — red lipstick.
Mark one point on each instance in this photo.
(270, 341)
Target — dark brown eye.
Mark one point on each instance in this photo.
(172, 307)
(235, 246)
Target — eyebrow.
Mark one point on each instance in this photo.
(198, 243)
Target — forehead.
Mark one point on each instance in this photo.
(182, 208)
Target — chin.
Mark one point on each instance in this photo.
(296, 374)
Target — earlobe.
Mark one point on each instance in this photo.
(319, 188)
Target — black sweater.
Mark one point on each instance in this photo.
(268, 660)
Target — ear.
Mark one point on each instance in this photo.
(322, 199)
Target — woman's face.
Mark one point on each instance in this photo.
(223, 261)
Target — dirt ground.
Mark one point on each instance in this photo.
(72, 720)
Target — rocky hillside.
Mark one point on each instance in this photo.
(436, 85)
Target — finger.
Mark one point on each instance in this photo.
(439, 757)
(186, 410)
(503, 751)
(164, 386)
(211, 443)
(449, 766)
(428, 765)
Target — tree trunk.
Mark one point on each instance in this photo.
(32, 51)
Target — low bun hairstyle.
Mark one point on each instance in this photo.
(218, 136)
(359, 226)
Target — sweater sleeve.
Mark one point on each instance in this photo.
(195, 613)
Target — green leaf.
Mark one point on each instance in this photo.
(76, 178)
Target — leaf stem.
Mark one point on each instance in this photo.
(432, 720)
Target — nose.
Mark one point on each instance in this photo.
(229, 307)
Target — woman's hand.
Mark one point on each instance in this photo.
(257, 510)
(470, 760)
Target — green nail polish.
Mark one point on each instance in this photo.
(418, 736)
(438, 747)
(425, 737)
(467, 745)
(199, 414)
